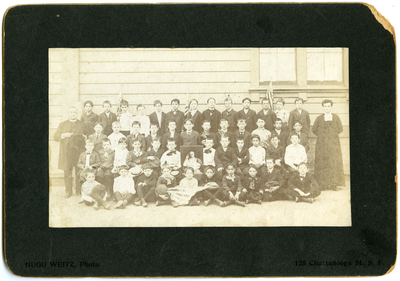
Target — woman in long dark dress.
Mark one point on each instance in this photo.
(328, 153)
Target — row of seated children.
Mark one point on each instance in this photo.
(233, 189)
(288, 119)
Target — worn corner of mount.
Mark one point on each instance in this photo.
(381, 19)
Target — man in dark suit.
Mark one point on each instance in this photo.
(107, 118)
(158, 117)
(71, 134)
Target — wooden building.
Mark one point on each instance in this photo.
(145, 75)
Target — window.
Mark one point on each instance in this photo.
(325, 64)
(277, 65)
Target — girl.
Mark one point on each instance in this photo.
(89, 117)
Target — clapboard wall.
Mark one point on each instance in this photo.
(145, 75)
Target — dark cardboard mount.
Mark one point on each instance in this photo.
(29, 31)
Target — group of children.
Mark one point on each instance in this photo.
(248, 157)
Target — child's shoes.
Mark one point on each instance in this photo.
(95, 206)
(206, 202)
(144, 203)
(119, 204)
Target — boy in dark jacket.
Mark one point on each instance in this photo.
(302, 186)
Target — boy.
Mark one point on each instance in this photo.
(172, 158)
(299, 115)
(97, 137)
(162, 195)
(93, 191)
(242, 154)
(275, 151)
(120, 154)
(213, 193)
(165, 181)
(107, 118)
(158, 117)
(273, 183)
(212, 115)
(249, 115)
(267, 115)
(143, 120)
(252, 187)
(154, 155)
(89, 117)
(209, 153)
(146, 186)
(230, 115)
(232, 187)
(263, 133)
(104, 171)
(281, 113)
(295, 153)
(224, 155)
(257, 155)
(171, 134)
(176, 115)
(194, 115)
(124, 188)
(207, 132)
(303, 138)
(241, 132)
(153, 134)
(302, 186)
(136, 158)
(223, 132)
(88, 161)
(190, 137)
(125, 118)
(116, 135)
(282, 134)
(136, 135)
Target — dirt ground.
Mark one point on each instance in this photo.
(331, 208)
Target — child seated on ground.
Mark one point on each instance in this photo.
(214, 187)
(120, 154)
(172, 157)
(104, 171)
(93, 193)
(116, 135)
(154, 155)
(146, 186)
(194, 163)
(185, 192)
(263, 133)
(165, 180)
(273, 188)
(295, 153)
(242, 154)
(88, 161)
(136, 158)
(302, 186)
(257, 155)
(124, 188)
(252, 187)
(232, 187)
(224, 155)
(136, 135)
(97, 137)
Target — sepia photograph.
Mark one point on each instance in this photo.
(199, 137)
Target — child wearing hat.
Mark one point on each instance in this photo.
(124, 187)
(93, 193)
(302, 186)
